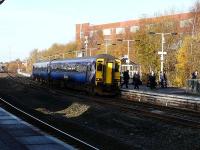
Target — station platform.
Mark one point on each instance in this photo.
(168, 91)
(170, 97)
(15, 134)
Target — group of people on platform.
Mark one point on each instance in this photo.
(151, 79)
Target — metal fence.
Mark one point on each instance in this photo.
(193, 86)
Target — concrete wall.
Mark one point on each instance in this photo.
(182, 102)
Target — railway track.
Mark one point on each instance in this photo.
(80, 144)
(183, 119)
(76, 142)
(126, 116)
(110, 141)
(168, 115)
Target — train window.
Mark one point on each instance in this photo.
(99, 67)
(116, 67)
(88, 68)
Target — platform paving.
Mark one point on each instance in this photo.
(173, 91)
(16, 134)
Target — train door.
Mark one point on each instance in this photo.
(108, 77)
(117, 71)
(99, 70)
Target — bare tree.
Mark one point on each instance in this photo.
(1, 1)
(195, 11)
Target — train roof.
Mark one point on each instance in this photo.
(82, 59)
(44, 63)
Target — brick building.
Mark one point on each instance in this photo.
(112, 30)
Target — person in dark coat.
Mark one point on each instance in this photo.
(126, 78)
(136, 80)
(152, 80)
(163, 80)
(194, 75)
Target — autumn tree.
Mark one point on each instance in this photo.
(188, 55)
(195, 20)
(188, 59)
(32, 59)
(183, 65)
(149, 45)
(13, 66)
(95, 42)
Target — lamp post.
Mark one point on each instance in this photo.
(128, 65)
(128, 44)
(91, 50)
(86, 44)
(162, 53)
(106, 44)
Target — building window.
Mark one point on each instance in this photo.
(81, 34)
(91, 33)
(169, 24)
(134, 28)
(120, 30)
(150, 26)
(107, 32)
(185, 23)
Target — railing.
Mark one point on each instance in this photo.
(193, 86)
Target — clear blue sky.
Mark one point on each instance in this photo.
(29, 24)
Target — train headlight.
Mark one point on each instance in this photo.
(98, 79)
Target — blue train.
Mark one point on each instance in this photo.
(98, 74)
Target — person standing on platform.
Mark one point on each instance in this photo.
(126, 78)
(193, 82)
(136, 80)
(163, 80)
(152, 80)
(194, 75)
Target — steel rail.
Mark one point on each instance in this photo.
(165, 117)
(50, 126)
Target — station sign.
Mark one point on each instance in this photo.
(162, 53)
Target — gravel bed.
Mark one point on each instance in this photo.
(128, 130)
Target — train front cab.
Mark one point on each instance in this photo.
(117, 73)
(107, 75)
(99, 71)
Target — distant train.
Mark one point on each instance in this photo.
(2, 69)
(98, 74)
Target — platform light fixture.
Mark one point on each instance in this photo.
(106, 44)
(128, 45)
